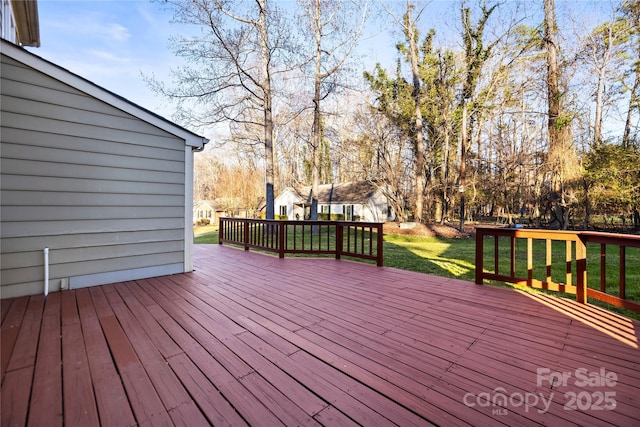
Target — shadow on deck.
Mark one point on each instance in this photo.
(253, 339)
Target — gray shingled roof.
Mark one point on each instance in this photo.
(352, 192)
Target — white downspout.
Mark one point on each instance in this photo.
(46, 272)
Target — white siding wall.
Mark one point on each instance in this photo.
(103, 190)
(288, 199)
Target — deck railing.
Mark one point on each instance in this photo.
(362, 240)
(539, 269)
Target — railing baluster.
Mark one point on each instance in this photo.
(281, 241)
(549, 257)
(479, 256)
(328, 236)
(513, 255)
(529, 261)
(339, 240)
(623, 272)
(568, 258)
(581, 271)
(603, 267)
(496, 254)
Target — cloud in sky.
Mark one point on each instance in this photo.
(115, 31)
(91, 25)
(111, 43)
(110, 56)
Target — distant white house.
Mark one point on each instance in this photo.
(350, 201)
(207, 210)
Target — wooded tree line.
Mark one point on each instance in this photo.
(510, 114)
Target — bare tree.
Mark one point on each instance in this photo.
(631, 13)
(603, 51)
(334, 27)
(232, 63)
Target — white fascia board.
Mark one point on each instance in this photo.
(191, 139)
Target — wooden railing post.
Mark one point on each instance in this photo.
(246, 234)
(479, 256)
(581, 270)
(281, 239)
(221, 231)
(339, 240)
(380, 246)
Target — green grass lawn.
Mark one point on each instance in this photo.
(206, 238)
(455, 258)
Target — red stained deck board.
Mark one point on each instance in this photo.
(367, 405)
(233, 303)
(238, 298)
(160, 339)
(278, 403)
(252, 409)
(204, 337)
(405, 389)
(113, 405)
(14, 397)
(260, 329)
(188, 414)
(207, 315)
(47, 381)
(145, 402)
(26, 345)
(5, 305)
(164, 381)
(292, 390)
(214, 406)
(9, 331)
(79, 402)
(330, 416)
(248, 338)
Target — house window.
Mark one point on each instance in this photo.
(324, 208)
(208, 214)
(348, 212)
(283, 210)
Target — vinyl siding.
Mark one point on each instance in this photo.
(104, 190)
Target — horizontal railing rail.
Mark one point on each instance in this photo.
(363, 240)
(575, 242)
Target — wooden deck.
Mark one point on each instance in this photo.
(253, 339)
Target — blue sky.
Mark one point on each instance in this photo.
(111, 43)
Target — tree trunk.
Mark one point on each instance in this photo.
(557, 150)
(633, 104)
(597, 126)
(418, 140)
(268, 115)
(316, 135)
(463, 164)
